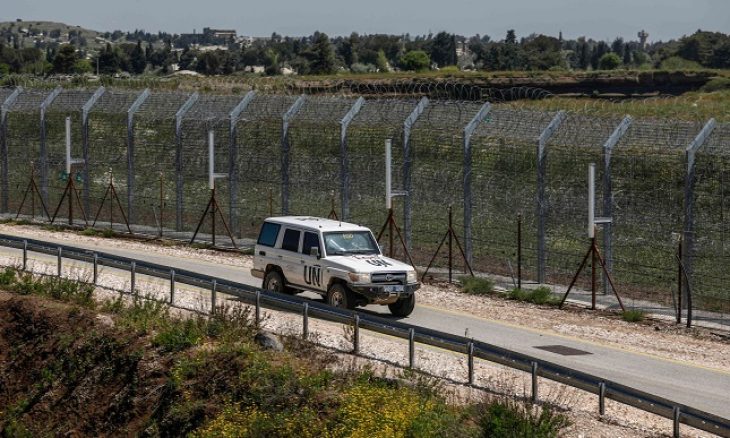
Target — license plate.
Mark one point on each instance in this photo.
(393, 288)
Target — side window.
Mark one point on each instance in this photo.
(311, 240)
(268, 234)
(291, 240)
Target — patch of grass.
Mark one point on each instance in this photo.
(476, 285)
(633, 315)
(508, 418)
(94, 232)
(542, 295)
(62, 289)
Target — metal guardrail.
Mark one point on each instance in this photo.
(677, 412)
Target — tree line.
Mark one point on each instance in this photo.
(319, 54)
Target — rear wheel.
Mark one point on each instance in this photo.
(274, 282)
(403, 307)
(340, 296)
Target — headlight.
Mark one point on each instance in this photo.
(411, 277)
(359, 278)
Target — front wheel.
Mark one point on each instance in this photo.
(403, 307)
(340, 296)
(274, 282)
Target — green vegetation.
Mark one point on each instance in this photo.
(416, 60)
(477, 285)
(148, 372)
(633, 315)
(542, 295)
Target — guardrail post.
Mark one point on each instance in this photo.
(172, 287)
(213, 293)
(96, 269)
(258, 308)
(602, 398)
(356, 334)
(133, 278)
(676, 415)
(534, 382)
(411, 348)
(470, 361)
(542, 207)
(305, 321)
(25, 255)
(60, 256)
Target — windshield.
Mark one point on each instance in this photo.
(350, 242)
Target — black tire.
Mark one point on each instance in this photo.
(403, 307)
(340, 296)
(274, 282)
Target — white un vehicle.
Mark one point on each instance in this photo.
(340, 261)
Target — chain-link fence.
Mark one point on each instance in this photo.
(664, 183)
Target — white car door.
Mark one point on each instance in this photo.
(289, 255)
(312, 274)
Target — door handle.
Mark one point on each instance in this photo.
(262, 253)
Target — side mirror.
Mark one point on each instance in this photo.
(314, 251)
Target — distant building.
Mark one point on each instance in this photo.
(222, 33)
(643, 36)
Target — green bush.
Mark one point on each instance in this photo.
(542, 295)
(633, 315)
(511, 419)
(476, 285)
(717, 84)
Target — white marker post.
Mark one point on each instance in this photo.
(591, 200)
(388, 174)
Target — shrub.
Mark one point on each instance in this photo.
(633, 315)
(542, 295)
(717, 84)
(508, 418)
(415, 60)
(476, 285)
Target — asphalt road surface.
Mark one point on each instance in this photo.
(703, 388)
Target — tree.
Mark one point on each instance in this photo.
(322, 55)
(511, 37)
(65, 59)
(609, 61)
(137, 59)
(416, 60)
(381, 62)
(443, 49)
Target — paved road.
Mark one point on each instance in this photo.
(702, 388)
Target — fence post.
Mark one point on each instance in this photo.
(172, 287)
(411, 348)
(344, 159)
(407, 170)
(96, 269)
(233, 160)
(213, 295)
(285, 152)
(468, 201)
(612, 141)
(43, 161)
(356, 334)
(5, 184)
(85, 110)
(689, 199)
(542, 207)
(179, 115)
(130, 152)
(25, 255)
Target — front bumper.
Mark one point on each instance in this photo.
(385, 293)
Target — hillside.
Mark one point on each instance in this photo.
(33, 33)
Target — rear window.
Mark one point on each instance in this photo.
(267, 236)
(291, 240)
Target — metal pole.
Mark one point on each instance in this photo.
(451, 254)
(85, 110)
(213, 295)
(258, 308)
(592, 228)
(172, 287)
(356, 334)
(133, 278)
(285, 153)
(602, 398)
(305, 321)
(542, 207)
(534, 382)
(411, 348)
(679, 282)
(233, 155)
(60, 257)
(96, 268)
(407, 173)
(469, 129)
(5, 183)
(519, 251)
(470, 361)
(130, 152)
(179, 160)
(344, 158)
(25, 255)
(68, 172)
(43, 149)
(676, 414)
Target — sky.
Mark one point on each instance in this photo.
(600, 20)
